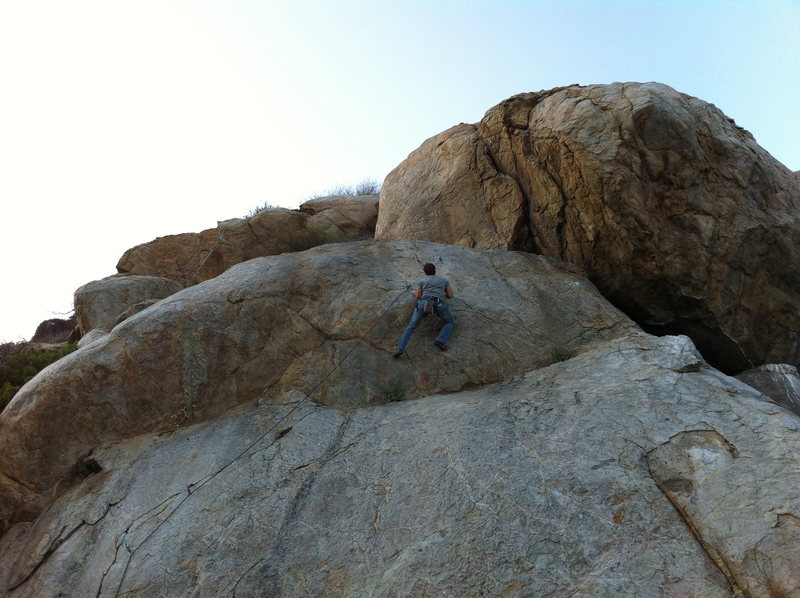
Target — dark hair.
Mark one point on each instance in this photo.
(429, 269)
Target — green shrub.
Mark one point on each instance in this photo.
(7, 349)
(394, 391)
(7, 392)
(21, 362)
(559, 354)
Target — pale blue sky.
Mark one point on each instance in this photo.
(123, 121)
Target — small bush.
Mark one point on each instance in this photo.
(394, 391)
(21, 362)
(559, 354)
(7, 392)
(261, 208)
(7, 349)
(368, 187)
(365, 187)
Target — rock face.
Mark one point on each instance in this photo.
(342, 215)
(191, 258)
(177, 257)
(630, 470)
(91, 336)
(451, 190)
(251, 435)
(56, 330)
(677, 214)
(276, 324)
(779, 381)
(100, 304)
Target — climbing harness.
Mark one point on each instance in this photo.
(426, 305)
(192, 488)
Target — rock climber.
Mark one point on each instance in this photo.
(430, 296)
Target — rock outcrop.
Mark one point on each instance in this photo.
(678, 215)
(168, 264)
(278, 324)
(55, 330)
(630, 470)
(91, 336)
(101, 304)
(251, 435)
(191, 258)
(177, 257)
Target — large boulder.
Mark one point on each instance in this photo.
(55, 330)
(349, 217)
(450, 190)
(193, 257)
(324, 322)
(277, 230)
(101, 303)
(178, 257)
(270, 232)
(629, 470)
(677, 214)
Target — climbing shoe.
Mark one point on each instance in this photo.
(441, 345)
(398, 353)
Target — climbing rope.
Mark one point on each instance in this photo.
(192, 488)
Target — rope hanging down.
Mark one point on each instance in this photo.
(192, 488)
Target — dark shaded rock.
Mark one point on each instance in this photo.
(56, 330)
(779, 381)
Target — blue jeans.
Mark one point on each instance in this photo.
(442, 311)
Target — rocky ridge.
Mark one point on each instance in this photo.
(154, 270)
(194, 257)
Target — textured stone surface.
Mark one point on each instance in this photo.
(180, 454)
(677, 214)
(101, 303)
(193, 257)
(779, 381)
(349, 217)
(55, 330)
(278, 323)
(91, 337)
(559, 482)
(450, 191)
(741, 500)
(277, 230)
(178, 257)
(135, 309)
